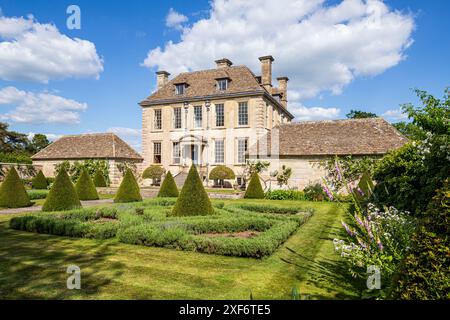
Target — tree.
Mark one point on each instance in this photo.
(39, 181)
(168, 187)
(85, 187)
(99, 179)
(62, 195)
(38, 142)
(129, 189)
(254, 189)
(193, 199)
(12, 192)
(358, 114)
(220, 173)
(12, 141)
(410, 130)
(153, 172)
(283, 176)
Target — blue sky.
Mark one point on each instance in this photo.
(98, 88)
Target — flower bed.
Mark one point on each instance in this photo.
(150, 224)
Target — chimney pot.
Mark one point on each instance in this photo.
(223, 63)
(266, 72)
(162, 77)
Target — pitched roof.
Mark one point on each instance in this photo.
(88, 146)
(371, 136)
(203, 83)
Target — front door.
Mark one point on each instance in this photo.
(194, 154)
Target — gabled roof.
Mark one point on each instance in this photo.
(371, 136)
(88, 146)
(202, 85)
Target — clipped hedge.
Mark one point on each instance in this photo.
(254, 189)
(85, 187)
(37, 194)
(285, 195)
(221, 173)
(168, 187)
(99, 180)
(129, 189)
(153, 172)
(193, 199)
(62, 195)
(39, 181)
(12, 192)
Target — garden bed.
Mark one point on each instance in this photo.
(232, 231)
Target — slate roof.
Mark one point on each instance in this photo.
(88, 146)
(371, 136)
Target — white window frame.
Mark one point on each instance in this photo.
(157, 121)
(219, 151)
(176, 152)
(198, 116)
(222, 84)
(242, 148)
(180, 89)
(243, 115)
(157, 151)
(177, 120)
(222, 115)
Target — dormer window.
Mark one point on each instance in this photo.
(180, 88)
(222, 84)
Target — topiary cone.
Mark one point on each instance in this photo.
(12, 191)
(99, 179)
(128, 189)
(39, 181)
(193, 199)
(168, 187)
(85, 187)
(254, 189)
(62, 195)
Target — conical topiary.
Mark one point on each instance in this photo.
(85, 187)
(99, 179)
(12, 192)
(193, 199)
(129, 189)
(62, 195)
(254, 188)
(168, 187)
(39, 181)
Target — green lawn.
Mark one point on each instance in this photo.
(33, 266)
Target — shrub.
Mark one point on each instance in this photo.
(37, 194)
(314, 192)
(85, 187)
(193, 199)
(39, 181)
(62, 195)
(12, 191)
(15, 157)
(425, 273)
(221, 173)
(153, 172)
(254, 189)
(168, 187)
(129, 189)
(285, 195)
(99, 179)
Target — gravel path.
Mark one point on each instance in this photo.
(89, 203)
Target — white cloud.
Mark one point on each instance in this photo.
(175, 19)
(395, 114)
(38, 52)
(37, 108)
(314, 113)
(320, 47)
(130, 135)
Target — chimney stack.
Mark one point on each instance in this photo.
(162, 77)
(223, 63)
(282, 87)
(266, 72)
